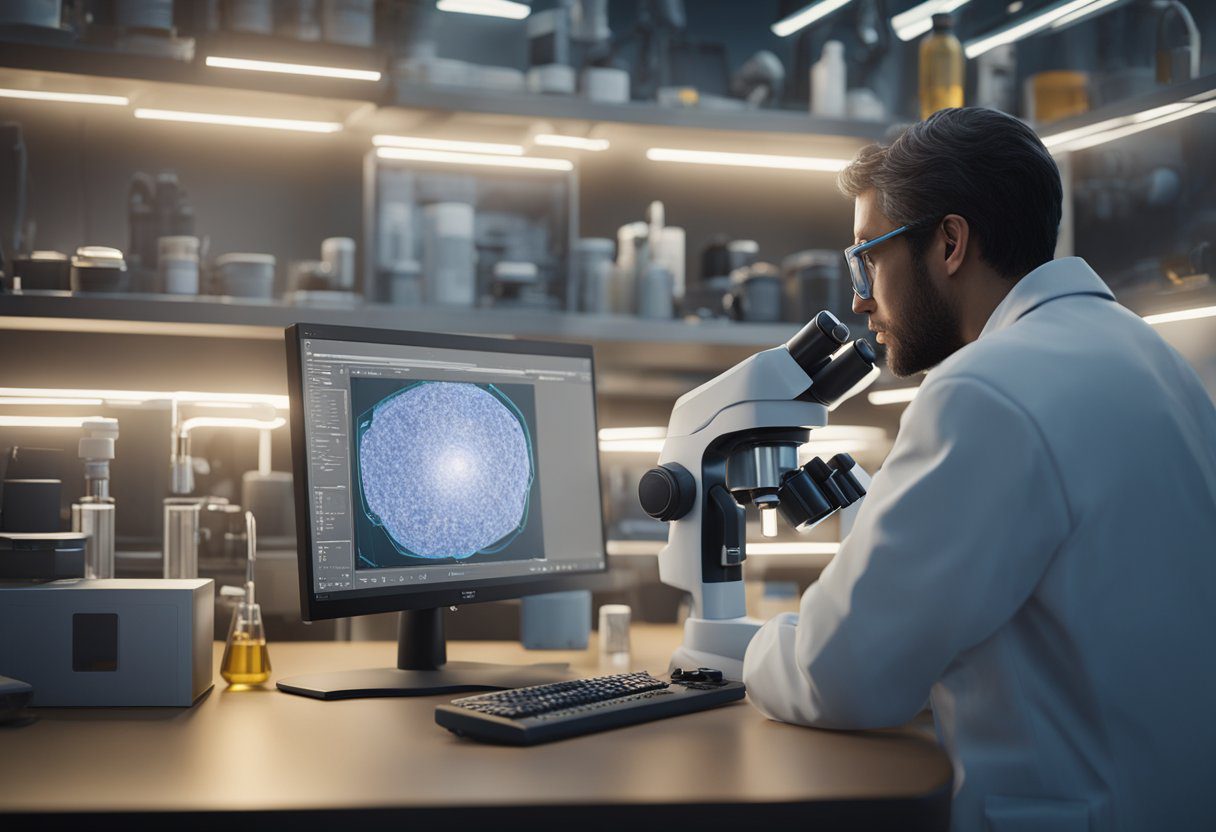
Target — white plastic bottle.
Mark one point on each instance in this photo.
(828, 82)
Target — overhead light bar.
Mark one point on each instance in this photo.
(745, 160)
(44, 421)
(1084, 12)
(240, 121)
(799, 20)
(197, 422)
(1117, 128)
(919, 19)
(631, 446)
(66, 97)
(610, 434)
(486, 8)
(651, 548)
(1182, 315)
(48, 400)
(419, 143)
(293, 69)
(144, 396)
(571, 142)
(446, 158)
(1013, 32)
(895, 395)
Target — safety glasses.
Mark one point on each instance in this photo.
(863, 284)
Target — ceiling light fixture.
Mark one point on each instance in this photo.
(196, 422)
(446, 158)
(610, 434)
(44, 421)
(919, 19)
(49, 400)
(293, 69)
(799, 20)
(1084, 12)
(486, 8)
(66, 97)
(1181, 315)
(1017, 30)
(745, 160)
(1092, 135)
(419, 143)
(894, 395)
(240, 121)
(572, 142)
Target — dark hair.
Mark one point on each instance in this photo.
(981, 164)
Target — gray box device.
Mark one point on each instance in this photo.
(114, 642)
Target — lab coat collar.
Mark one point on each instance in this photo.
(1054, 279)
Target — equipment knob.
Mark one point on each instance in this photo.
(667, 492)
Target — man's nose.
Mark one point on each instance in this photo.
(863, 306)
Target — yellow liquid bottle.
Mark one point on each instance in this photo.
(941, 68)
(246, 658)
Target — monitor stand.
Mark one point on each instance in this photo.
(422, 669)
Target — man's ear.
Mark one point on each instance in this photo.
(957, 238)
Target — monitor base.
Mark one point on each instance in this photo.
(452, 677)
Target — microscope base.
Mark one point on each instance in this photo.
(719, 644)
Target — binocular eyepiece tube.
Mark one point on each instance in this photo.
(833, 371)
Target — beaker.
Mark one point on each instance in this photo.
(181, 537)
(246, 658)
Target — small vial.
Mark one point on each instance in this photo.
(614, 635)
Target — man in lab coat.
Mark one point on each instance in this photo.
(1037, 557)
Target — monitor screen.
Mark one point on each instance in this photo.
(441, 469)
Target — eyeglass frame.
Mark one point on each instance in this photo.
(863, 284)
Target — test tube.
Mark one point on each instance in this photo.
(181, 537)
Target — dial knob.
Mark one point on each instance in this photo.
(667, 492)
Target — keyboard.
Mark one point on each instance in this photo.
(542, 713)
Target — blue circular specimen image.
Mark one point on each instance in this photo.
(446, 469)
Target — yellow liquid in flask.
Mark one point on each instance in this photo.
(246, 661)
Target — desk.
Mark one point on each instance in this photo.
(383, 763)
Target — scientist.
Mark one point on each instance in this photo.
(1037, 557)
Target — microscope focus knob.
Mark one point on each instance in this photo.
(667, 492)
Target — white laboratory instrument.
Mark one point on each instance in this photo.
(735, 440)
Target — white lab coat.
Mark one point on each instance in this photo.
(1037, 558)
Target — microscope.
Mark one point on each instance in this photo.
(734, 440)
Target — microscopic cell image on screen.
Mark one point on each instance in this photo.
(445, 472)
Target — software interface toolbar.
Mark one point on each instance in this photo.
(432, 466)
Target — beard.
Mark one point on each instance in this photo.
(929, 331)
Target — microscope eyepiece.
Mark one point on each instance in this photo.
(814, 344)
(842, 373)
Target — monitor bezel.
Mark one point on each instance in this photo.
(394, 599)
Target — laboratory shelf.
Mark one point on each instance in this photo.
(136, 74)
(622, 342)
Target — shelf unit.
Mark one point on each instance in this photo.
(138, 71)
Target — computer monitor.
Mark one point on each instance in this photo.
(434, 470)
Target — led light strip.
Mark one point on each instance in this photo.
(144, 396)
(572, 142)
(745, 160)
(240, 121)
(895, 395)
(652, 547)
(1084, 12)
(293, 69)
(1023, 28)
(446, 158)
(919, 19)
(419, 143)
(1182, 315)
(1119, 128)
(487, 8)
(799, 20)
(49, 400)
(44, 421)
(66, 97)
(197, 422)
